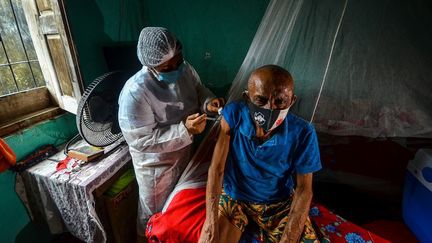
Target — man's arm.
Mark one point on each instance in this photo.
(299, 209)
(210, 230)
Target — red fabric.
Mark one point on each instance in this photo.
(7, 156)
(182, 221)
(387, 229)
(62, 165)
(339, 229)
(184, 218)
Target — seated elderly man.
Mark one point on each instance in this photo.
(262, 154)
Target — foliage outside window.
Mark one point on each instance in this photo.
(39, 71)
(19, 66)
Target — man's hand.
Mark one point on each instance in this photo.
(215, 104)
(209, 232)
(299, 209)
(291, 233)
(195, 123)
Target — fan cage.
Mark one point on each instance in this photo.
(97, 133)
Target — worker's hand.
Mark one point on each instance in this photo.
(195, 123)
(214, 105)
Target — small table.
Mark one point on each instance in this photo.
(65, 199)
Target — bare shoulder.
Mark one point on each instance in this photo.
(224, 127)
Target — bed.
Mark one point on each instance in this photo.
(183, 215)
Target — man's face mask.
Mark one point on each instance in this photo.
(266, 118)
(170, 77)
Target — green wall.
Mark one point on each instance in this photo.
(223, 29)
(102, 23)
(215, 35)
(13, 214)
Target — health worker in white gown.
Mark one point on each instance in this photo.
(161, 108)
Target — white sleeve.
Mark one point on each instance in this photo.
(140, 129)
(159, 140)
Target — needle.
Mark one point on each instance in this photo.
(215, 118)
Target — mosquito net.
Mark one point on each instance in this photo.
(360, 67)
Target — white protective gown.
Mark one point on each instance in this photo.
(151, 115)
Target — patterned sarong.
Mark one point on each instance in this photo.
(269, 218)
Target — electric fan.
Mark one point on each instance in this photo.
(97, 119)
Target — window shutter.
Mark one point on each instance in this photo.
(51, 36)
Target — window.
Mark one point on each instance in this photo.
(19, 67)
(38, 64)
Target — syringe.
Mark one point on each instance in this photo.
(215, 118)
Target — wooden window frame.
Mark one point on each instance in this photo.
(57, 56)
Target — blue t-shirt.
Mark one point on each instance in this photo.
(263, 173)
